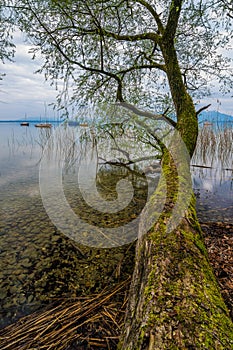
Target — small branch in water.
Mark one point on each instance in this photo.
(202, 166)
(209, 167)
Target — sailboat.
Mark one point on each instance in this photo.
(44, 125)
(25, 123)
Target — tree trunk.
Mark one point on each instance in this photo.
(174, 299)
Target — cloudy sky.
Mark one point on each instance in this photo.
(21, 91)
(24, 93)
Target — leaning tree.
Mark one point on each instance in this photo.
(149, 54)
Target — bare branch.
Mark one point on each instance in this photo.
(127, 37)
(147, 114)
(144, 66)
(202, 109)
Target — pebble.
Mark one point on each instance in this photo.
(30, 299)
(22, 299)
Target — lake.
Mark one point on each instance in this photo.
(38, 262)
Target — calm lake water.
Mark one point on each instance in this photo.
(34, 262)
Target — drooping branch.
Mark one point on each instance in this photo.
(96, 29)
(101, 71)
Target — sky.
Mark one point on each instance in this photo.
(23, 93)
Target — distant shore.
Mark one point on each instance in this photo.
(32, 121)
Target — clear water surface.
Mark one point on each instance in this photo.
(27, 236)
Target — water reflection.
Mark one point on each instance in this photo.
(20, 152)
(213, 173)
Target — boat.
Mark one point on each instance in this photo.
(25, 122)
(83, 124)
(206, 123)
(43, 125)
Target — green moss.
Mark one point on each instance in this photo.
(179, 296)
(186, 293)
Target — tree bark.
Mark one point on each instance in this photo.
(174, 299)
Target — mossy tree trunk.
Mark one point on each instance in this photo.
(174, 299)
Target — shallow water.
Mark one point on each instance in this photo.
(39, 263)
(21, 241)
